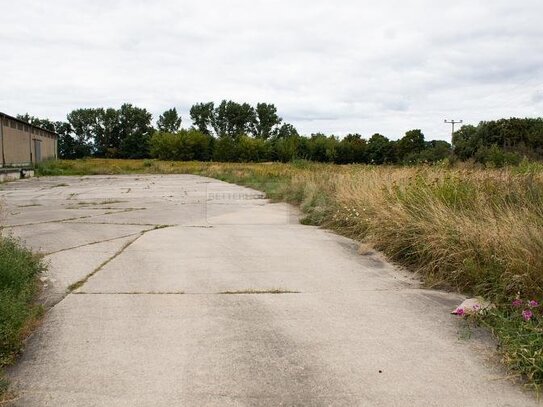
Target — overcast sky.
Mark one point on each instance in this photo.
(333, 66)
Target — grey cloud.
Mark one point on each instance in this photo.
(351, 66)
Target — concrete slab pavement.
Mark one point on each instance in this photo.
(165, 316)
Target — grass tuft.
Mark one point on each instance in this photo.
(19, 286)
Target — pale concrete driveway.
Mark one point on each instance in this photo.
(157, 316)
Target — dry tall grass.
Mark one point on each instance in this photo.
(478, 230)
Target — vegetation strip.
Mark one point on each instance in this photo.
(232, 131)
(19, 312)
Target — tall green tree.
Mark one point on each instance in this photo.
(135, 131)
(466, 142)
(202, 116)
(435, 150)
(169, 121)
(286, 130)
(107, 137)
(231, 119)
(267, 121)
(380, 150)
(287, 144)
(69, 147)
(85, 124)
(322, 148)
(516, 136)
(410, 145)
(352, 149)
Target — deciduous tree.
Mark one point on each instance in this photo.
(169, 121)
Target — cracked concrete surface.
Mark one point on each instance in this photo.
(307, 321)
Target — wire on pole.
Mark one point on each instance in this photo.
(452, 123)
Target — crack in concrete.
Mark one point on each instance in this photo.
(256, 292)
(74, 218)
(93, 243)
(253, 292)
(99, 208)
(56, 297)
(115, 223)
(131, 293)
(79, 283)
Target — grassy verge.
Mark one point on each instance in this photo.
(479, 231)
(19, 285)
(521, 341)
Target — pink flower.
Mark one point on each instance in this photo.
(517, 303)
(533, 304)
(459, 311)
(527, 314)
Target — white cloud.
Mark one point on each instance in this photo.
(337, 67)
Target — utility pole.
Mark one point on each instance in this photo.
(453, 122)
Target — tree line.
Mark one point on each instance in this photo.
(504, 141)
(231, 131)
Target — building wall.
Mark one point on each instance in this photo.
(16, 145)
(48, 144)
(19, 146)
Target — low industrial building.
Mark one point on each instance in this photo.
(23, 145)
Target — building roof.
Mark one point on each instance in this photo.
(7, 116)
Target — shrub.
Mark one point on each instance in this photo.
(322, 148)
(197, 145)
(185, 145)
(225, 150)
(286, 149)
(241, 149)
(496, 157)
(252, 150)
(165, 146)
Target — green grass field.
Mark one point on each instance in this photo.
(478, 231)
